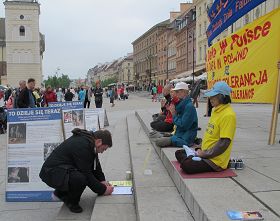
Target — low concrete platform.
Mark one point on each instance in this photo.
(156, 197)
(252, 189)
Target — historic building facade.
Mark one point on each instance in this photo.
(24, 42)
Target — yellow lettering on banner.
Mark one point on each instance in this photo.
(247, 60)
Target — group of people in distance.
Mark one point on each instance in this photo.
(177, 124)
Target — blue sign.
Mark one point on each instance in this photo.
(224, 13)
(68, 104)
(34, 114)
(30, 196)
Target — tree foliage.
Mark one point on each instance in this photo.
(106, 82)
(58, 82)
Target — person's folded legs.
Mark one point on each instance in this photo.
(164, 142)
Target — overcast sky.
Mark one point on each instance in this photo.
(80, 34)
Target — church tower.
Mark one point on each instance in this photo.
(24, 43)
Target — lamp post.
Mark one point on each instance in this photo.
(192, 36)
(149, 58)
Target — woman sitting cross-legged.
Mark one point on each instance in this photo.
(217, 141)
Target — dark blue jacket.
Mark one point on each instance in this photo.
(186, 123)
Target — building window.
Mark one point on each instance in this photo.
(21, 31)
(200, 51)
(21, 17)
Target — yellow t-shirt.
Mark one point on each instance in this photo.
(222, 124)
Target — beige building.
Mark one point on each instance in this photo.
(24, 43)
(3, 64)
(126, 71)
(145, 54)
(201, 27)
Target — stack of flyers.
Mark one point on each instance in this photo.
(244, 215)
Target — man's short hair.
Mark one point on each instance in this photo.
(105, 136)
(30, 80)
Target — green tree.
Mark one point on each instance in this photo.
(58, 82)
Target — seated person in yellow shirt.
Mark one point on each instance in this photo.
(217, 141)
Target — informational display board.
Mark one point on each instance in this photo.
(32, 135)
(92, 120)
(72, 117)
(101, 114)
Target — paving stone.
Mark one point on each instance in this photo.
(116, 212)
(165, 204)
(87, 203)
(245, 177)
(271, 199)
(29, 215)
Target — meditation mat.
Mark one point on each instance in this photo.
(222, 174)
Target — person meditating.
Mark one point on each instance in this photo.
(218, 138)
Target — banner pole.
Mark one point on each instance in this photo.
(274, 118)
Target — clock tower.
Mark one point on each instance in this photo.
(24, 42)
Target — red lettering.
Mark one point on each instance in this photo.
(266, 28)
(223, 46)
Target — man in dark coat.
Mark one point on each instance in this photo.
(98, 93)
(74, 164)
(26, 97)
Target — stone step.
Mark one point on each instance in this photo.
(156, 197)
(87, 203)
(115, 162)
(204, 196)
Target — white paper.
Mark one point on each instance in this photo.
(122, 190)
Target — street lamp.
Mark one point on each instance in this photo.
(149, 58)
(128, 76)
(192, 36)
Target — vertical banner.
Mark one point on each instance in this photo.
(72, 117)
(91, 120)
(32, 135)
(247, 60)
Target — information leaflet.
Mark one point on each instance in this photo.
(32, 135)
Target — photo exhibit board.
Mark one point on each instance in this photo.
(32, 135)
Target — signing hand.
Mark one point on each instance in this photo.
(106, 183)
(109, 190)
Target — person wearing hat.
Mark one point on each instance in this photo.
(74, 164)
(184, 118)
(217, 142)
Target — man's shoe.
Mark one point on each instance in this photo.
(60, 196)
(74, 208)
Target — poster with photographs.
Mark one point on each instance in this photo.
(32, 136)
(72, 117)
(91, 119)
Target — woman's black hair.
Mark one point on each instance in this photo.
(224, 99)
